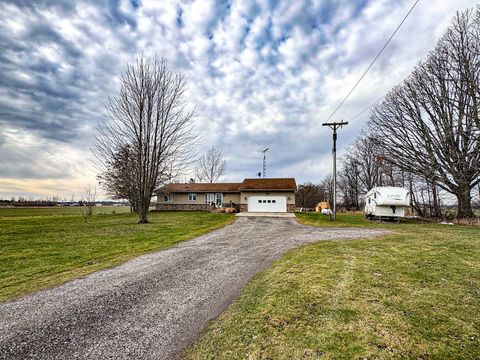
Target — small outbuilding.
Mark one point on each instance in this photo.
(321, 206)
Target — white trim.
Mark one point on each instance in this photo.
(209, 198)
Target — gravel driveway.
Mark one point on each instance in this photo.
(153, 306)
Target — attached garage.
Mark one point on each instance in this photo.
(275, 195)
(267, 204)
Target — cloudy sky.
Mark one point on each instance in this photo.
(260, 73)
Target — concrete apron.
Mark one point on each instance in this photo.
(265, 214)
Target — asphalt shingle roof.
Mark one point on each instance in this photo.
(271, 184)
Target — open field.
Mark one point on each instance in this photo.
(411, 294)
(19, 211)
(45, 247)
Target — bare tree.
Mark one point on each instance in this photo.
(326, 189)
(149, 118)
(349, 182)
(308, 195)
(210, 167)
(89, 195)
(366, 155)
(429, 124)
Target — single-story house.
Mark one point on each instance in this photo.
(253, 195)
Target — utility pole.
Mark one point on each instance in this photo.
(264, 162)
(334, 126)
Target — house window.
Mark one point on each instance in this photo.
(192, 196)
(209, 198)
(167, 198)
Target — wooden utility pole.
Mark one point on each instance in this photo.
(334, 126)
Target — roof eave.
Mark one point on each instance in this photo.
(268, 189)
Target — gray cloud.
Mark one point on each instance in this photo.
(261, 74)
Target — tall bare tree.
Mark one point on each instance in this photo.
(429, 125)
(211, 166)
(149, 117)
(349, 183)
(366, 155)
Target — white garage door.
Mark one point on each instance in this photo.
(267, 204)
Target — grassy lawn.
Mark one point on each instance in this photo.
(412, 294)
(59, 210)
(40, 248)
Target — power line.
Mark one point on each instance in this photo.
(374, 60)
(374, 103)
(368, 107)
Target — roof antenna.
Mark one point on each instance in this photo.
(264, 162)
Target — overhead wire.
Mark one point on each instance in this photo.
(374, 60)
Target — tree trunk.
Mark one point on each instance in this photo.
(133, 206)
(436, 201)
(464, 202)
(143, 213)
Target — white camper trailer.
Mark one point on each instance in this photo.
(386, 202)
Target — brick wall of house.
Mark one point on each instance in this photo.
(183, 207)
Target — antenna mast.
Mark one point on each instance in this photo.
(264, 162)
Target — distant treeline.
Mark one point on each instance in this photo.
(29, 202)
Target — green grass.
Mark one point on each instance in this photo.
(59, 210)
(40, 248)
(411, 294)
(343, 220)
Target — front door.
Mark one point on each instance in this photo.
(218, 200)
